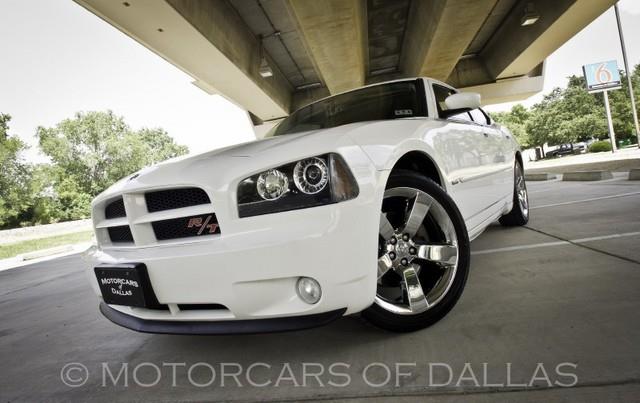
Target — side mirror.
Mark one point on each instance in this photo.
(461, 102)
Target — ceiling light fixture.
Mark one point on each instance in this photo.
(308, 86)
(530, 15)
(264, 70)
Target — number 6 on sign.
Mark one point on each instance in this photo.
(603, 75)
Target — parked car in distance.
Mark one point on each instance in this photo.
(566, 149)
(365, 201)
(581, 147)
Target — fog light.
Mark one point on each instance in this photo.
(308, 290)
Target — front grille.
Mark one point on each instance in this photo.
(120, 234)
(175, 198)
(115, 209)
(185, 227)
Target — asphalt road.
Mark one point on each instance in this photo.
(552, 305)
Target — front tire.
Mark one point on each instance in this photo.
(519, 214)
(423, 256)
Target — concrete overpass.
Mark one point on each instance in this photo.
(272, 56)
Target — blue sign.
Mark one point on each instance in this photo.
(602, 76)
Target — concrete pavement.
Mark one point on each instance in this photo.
(562, 294)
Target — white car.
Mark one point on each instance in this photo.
(362, 202)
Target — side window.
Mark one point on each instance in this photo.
(479, 116)
(441, 93)
(489, 120)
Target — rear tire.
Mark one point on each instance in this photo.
(519, 214)
(423, 256)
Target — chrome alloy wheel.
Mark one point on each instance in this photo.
(417, 254)
(521, 191)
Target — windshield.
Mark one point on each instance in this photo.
(394, 100)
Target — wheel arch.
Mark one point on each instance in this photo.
(421, 163)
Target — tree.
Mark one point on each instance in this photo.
(95, 149)
(567, 115)
(583, 115)
(14, 177)
(161, 143)
(543, 123)
(88, 154)
(516, 121)
(620, 103)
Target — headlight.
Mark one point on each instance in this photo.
(272, 184)
(311, 175)
(306, 183)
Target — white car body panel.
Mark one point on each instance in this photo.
(252, 266)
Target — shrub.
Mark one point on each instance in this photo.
(600, 146)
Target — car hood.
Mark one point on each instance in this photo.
(255, 147)
(224, 167)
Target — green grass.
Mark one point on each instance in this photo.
(17, 248)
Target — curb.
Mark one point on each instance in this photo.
(45, 252)
(587, 176)
(44, 255)
(543, 176)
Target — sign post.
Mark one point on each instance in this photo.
(602, 77)
(612, 135)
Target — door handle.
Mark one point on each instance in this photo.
(485, 134)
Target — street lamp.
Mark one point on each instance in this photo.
(626, 67)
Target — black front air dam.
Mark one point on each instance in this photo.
(220, 327)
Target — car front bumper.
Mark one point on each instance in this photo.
(253, 273)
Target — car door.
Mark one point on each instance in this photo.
(506, 159)
(465, 150)
(495, 149)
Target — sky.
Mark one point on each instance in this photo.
(57, 59)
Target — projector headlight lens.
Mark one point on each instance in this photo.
(309, 182)
(311, 175)
(272, 184)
